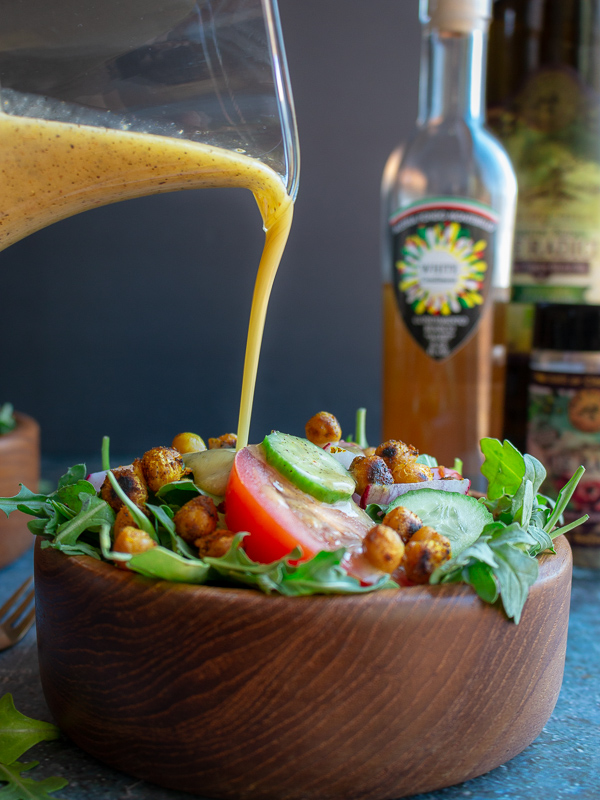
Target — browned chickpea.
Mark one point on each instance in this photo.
(227, 440)
(383, 548)
(197, 518)
(394, 451)
(323, 428)
(411, 472)
(125, 519)
(162, 465)
(132, 540)
(370, 469)
(216, 544)
(403, 521)
(369, 451)
(131, 480)
(188, 443)
(425, 554)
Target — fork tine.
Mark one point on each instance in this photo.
(21, 629)
(21, 609)
(13, 599)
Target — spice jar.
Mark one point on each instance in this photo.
(563, 428)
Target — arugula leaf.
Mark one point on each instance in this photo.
(323, 574)
(19, 733)
(70, 494)
(20, 788)
(72, 475)
(178, 493)
(504, 467)
(158, 562)
(500, 556)
(94, 512)
(26, 501)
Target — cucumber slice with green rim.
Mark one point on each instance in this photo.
(308, 467)
(457, 516)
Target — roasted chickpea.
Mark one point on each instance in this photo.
(188, 443)
(125, 519)
(162, 465)
(369, 451)
(411, 472)
(132, 540)
(394, 451)
(383, 548)
(370, 469)
(323, 428)
(227, 440)
(215, 544)
(403, 521)
(196, 519)
(424, 553)
(131, 480)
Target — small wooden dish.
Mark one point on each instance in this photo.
(19, 463)
(228, 693)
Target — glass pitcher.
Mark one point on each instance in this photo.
(211, 72)
(113, 99)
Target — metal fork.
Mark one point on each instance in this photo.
(17, 616)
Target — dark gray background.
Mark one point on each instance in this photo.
(87, 305)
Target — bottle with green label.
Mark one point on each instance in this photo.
(544, 104)
(448, 218)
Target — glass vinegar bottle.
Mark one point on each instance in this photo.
(448, 200)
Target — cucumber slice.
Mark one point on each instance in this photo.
(308, 467)
(457, 516)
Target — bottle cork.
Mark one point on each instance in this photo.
(457, 16)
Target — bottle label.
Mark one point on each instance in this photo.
(564, 432)
(551, 132)
(442, 256)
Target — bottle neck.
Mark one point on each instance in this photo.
(452, 79)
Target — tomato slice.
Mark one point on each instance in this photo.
(279, 516)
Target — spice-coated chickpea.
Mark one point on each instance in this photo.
(216, 544)
(132, 482)
(197, 518)
(322, 428)
(383, 548)
(188, 443)
(162, 465)
(132, 540)
(411, 472)
(227, 441)
(423, 556)
(405, 522)
(124, 519)
(394, 451)
(370, 469)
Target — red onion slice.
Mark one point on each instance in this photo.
(384, 495)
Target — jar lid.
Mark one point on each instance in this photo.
(566, 327)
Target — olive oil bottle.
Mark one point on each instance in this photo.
(448, 200)
(543, 98)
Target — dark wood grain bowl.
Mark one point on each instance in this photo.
(19, 463)
(228, 693)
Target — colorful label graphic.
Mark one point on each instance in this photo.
(443, 260)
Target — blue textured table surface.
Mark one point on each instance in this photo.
(564, 762)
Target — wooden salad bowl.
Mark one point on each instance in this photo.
(229, 693)
(19, 463)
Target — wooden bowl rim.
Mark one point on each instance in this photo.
(550, 566)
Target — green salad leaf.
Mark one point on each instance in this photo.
(7, 418)
(18, 734)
